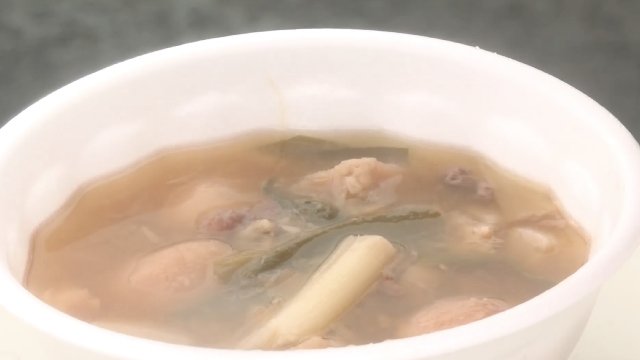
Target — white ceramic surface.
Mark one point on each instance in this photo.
(612, 332)
(319, 79)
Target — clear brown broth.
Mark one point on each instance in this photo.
(115, 220)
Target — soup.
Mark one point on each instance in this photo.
(280, 241)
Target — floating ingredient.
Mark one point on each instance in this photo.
(254, 264)
(311, 210)
(305, 147)
(333, 289)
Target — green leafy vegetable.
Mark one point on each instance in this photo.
(300, 147)
(311, 210)
(390, 155)
(250, 265)
(304, 147)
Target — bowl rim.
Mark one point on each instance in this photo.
(623, 239)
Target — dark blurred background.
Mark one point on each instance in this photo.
(593, 45)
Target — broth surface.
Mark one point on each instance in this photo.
(281, 241)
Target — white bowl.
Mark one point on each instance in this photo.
(418, 87)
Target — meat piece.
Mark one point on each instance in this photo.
(359, 182)
(177, 268)
(196, 204)
(467, 234)
(385, 190)
(482, 213)
(484, 191)
(222, 220)
(449, 313)
(259, 228)
(460, 177)
(317, 342)
(531, 238)
(257, 235)
(464, 179)
(171, 278)
(75, 301)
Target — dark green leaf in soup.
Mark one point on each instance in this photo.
(389, 155)
(276, 256)
(226, 267)
(305, 147)
(299, 147)
(311, 210)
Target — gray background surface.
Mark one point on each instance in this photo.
(593, 45)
